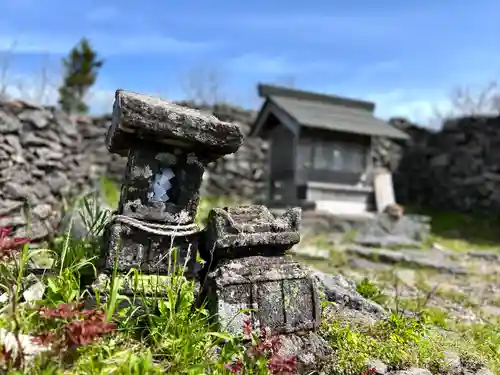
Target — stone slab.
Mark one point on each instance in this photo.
(384, 189)
(138, 116)
(251, 229)
(385, 230)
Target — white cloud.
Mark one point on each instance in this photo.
(428, 106)
(107, 43)
(277, 65)
(376, 69)
(33, 44)
(256, 63)
(101, 100)
(373, 25)
(38, 86)
(349, 27)
(381, 22)
(420, 106)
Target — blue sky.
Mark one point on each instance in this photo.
(404, 55)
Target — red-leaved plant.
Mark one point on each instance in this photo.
(69, 326)
(264, 346)
(9, 246)
(9, 251)
(369, 371)
(9, 361)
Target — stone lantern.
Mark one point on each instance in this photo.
(168, 147)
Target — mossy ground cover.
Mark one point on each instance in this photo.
(434, 332)
(423, 340)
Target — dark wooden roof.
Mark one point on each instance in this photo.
(322, 111)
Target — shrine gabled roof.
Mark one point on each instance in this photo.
(327, 112)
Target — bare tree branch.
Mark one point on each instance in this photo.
(464, 101)
(43, 84)
(203, 85)
(38, 88)
(5, 65)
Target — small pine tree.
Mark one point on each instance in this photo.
(81, 68)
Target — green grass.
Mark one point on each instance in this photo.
(403, 341)
(463, 232)
(399, 342)
(160, 335)
(422, 343)
(371, 291)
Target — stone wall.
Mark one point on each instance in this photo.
(456, 168)
(44, 155)
(242, 173)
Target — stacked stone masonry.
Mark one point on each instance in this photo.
(456, 168)
(45, 155)
(248, 270)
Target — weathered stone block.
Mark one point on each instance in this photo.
(280, 292)
(387, 231)
(250, 276)
(132, 247)
(250, 230)
(159, 121)
(168, 147)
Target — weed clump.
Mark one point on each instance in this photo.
(262, 355)
(371, 291)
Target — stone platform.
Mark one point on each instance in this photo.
(316, 222)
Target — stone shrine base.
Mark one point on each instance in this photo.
(367, 229)
(316, 222)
